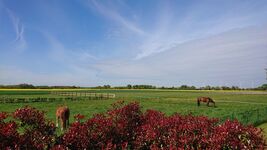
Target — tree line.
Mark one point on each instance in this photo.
(30, 86)
(129, 86)
(182, 87)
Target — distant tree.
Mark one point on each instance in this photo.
(207, 87)
(235, 88)
(226, 88)
(129, 86)
(43, 87)
(193, 88)
(263, 87)
(183, 87)
(186, 87)
(216, 88)
(26, 86)
(106, 86)
(120, 87)
(143, 87)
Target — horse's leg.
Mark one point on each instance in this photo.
(68, 117)
(208, 103)
(57, 117)
(62, 124)
(198, 103)
(68, 122)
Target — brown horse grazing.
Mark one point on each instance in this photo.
(207, 100)
(63, 113)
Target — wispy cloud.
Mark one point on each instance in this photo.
(174, 30)
(152, 41)
(170, 29)
(114, 15)
(18, 26)
(229, 57)
(138, 42)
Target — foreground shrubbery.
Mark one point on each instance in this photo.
(28, 130)
(126, 127)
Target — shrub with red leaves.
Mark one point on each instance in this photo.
(38, 133)
(3, 116)
(126, 127)
(233, 135)
(185, 132)
(9, 136)
(79, 117)
(35, 131)
(115, 129)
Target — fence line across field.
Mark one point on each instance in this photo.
(84, 94)
(73, 96)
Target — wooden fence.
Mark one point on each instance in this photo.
(84, 94)
(59, 96)
(29, 100)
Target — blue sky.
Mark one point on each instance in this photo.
(119, 42)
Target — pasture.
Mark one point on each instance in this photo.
(247, 106)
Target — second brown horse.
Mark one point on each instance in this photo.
(63, 114)
(207, 100)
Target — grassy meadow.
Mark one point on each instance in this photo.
(229, 103)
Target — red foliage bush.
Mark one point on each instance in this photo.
(9, 137)
(115, 129)
(233, 135)
(126, 127)
(36, 131)
(79, 117)
(174, 132)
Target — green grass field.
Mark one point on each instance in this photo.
(229, 103)
(264, 128)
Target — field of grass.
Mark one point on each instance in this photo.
(264, 128)
(229, 103)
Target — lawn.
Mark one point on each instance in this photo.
(247, 106)
(264, 128)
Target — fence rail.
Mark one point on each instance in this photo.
(84, 94)
(73, 96)
(28, 100)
